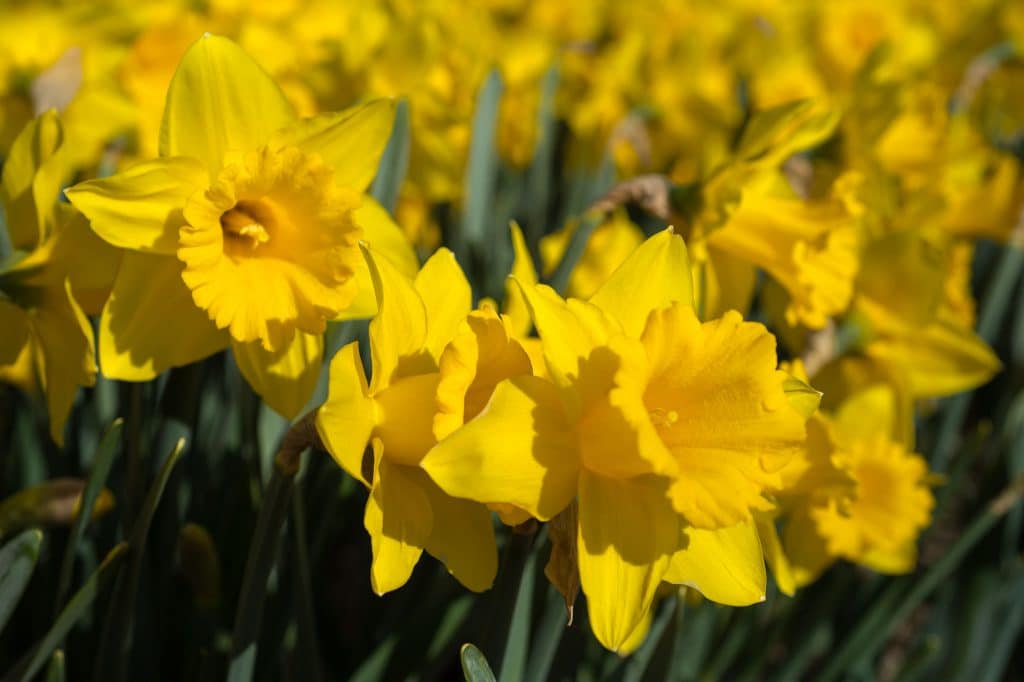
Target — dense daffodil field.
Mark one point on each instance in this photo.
(529, 340)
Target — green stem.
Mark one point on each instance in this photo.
(266, 538)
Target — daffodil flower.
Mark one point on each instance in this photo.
(56, 270)
(244, 233)
(666, 431)
(906, 308)
(858, 492)
(434, 366)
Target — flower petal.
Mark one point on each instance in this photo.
(350, 141)
(67, 359)
(346, 419)
(524, 273)
(616, 434)
(446, 296)
(776, 556)
(220, 100)
(628, 533)
(462, 537)
(140, 208)
(398, 519)
(398, 332)
(481, 354)
(387, 239)
(655, 275)
(150, 322)
(804, 548)
(285, 378)
(939, 359)
(518, 451)
(569, 329)
(726, 565)
(33, 170)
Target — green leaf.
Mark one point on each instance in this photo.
(116, 642)
(482, 169)
(101, 464)
(17, 561)
(538, 180)
(474, 665)
(79, 605)
(513, 662)
(394, 162)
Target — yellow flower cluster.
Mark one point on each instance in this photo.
(833, 162)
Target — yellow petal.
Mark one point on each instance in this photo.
(569, 329)
(628, 533)
(775, 556)
(398, 332)
(801, 397)
(140, 208)
(385, 237)
(285, 378)
(446, 296)
(220, 100)
(150, 322)
(518, 451)
(655, 275)
(728, 284)
(405, 417)
(346, 419)
(940, 359)
(66, 359)
(33, 171)
(617, 434)
(637, 637)
(462, 537)
(399, 521)
(805, 548)
(89, 262)
(481, 354)
(725, 565)
(526, 275)
(350, 141)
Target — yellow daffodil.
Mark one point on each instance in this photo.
(244, 232)
(434, 366)
(667, 432)
(858, 492)
(57, 268)
(910, 322)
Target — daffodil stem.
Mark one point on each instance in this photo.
(266, 537)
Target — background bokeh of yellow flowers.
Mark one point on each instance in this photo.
(802, 398)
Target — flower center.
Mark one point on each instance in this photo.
(246, 224)
(271, 248)
(663, 418)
